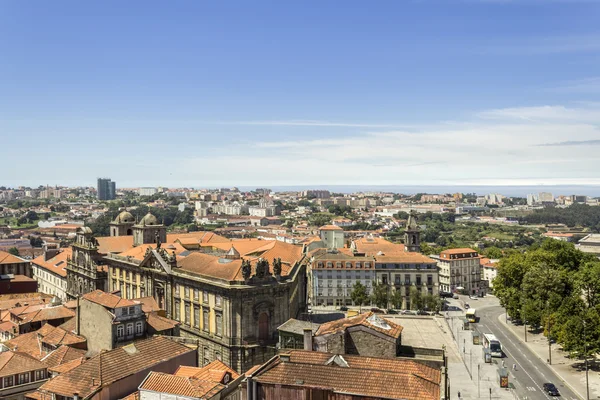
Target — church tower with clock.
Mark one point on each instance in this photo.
(83, 273)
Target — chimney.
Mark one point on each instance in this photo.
(78, 320)
(308, 345)
(284, 357)
(39, 340)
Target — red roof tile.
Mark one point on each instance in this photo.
(107, 300)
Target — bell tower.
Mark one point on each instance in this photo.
(412, 234)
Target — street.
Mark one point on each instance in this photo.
(531, 372)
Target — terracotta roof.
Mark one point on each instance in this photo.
(160, 324)
(8, 326)
(16, 299)
(7, 258)
(368, 319)
(243, 246)
(297, 326)
(12, 363)
(204, 264)
(149, 304)
(63, 355)
(139, 252)
(202, 236)
(458, 251)
(330, 228)
(356, 375)
(557, 234)
(69, 325)
(107, 300)
(214, 372)
(30, 342)
(372, 245)
(56, 264)
(37, 395)
(111, 366)
(180, 385)
(66, 366)
(405, 257)
(48, 314)
(114, 244)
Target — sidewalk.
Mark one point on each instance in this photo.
(468, 372)
(561, 365)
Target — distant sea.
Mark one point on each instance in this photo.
(511, 191)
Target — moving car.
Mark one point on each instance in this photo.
(473, 297)
(551, 389)
(343, 308)
(455, 296)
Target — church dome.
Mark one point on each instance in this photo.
(124, 217)
(149, 219)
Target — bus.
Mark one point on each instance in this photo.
(471, 315)
(491, 342)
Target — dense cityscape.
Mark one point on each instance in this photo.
(316, 200)
(235, 287)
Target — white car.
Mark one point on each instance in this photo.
(473, 297)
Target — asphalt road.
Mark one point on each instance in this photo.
(531, 372)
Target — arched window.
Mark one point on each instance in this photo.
(348, 265)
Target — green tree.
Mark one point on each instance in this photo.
(320, 219)
(397, 298)
(493, 252)
(359, 294)
(507, 284)
(588, 282)
(14, 251)
(416, 299)
(380, 294)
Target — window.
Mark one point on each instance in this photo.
(218, 300)
(120, 331)
(187, 313)
(196, 294)
(429, 280)
(130, 329)
(219, 324)
(177, 289)
(8, 381)
(142, 291)
(218, 355)
(131, 310)
(338, 264)
(128, 291)
(205, 316)
(320, 264)
(139, 328)
(367, 265)
(357, 265)
(186, 291)
(40, 374)
(407, 279)
(418, 280)
(197, 317)
(205, 297)
(397, 279)
(177, 311)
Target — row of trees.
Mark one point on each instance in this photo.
(575, 215)
(383, 295)
(556, 287)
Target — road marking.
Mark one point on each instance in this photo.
(519, 364)
(531, 388)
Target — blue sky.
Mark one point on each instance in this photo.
(194, 93)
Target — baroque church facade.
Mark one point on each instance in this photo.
(229, 296)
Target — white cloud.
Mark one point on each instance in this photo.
(503, 145)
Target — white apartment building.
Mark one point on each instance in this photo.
(147, 191)
(332, 275)
(489, 271)
(459, 269)
(50, 273)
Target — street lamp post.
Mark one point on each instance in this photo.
(525, 326)
(549, 342)
(478, 382)
(587, 382)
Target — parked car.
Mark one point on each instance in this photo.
(473, 297)
(377, 310)
(343, 308)
(455, 296)
(408, 312)
(422, 312)
(392, 311)
(445, 294)
(551, 389)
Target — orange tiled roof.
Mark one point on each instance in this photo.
(330, 228)
(12, 363)
(180, 385)
(7, 258)
(56, 264)
(213, 371)
(368, 319)
(62, 355)
(114, 244)
(361, 376)
(458, 251)
(107, 300)
(373, 245)
(159, 323)
(29, 343)
(149, 304)
(133, 396)
(48, 314)
(405, 257)
(111, 366)
(67, 366)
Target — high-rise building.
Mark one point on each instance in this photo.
(107, 189)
